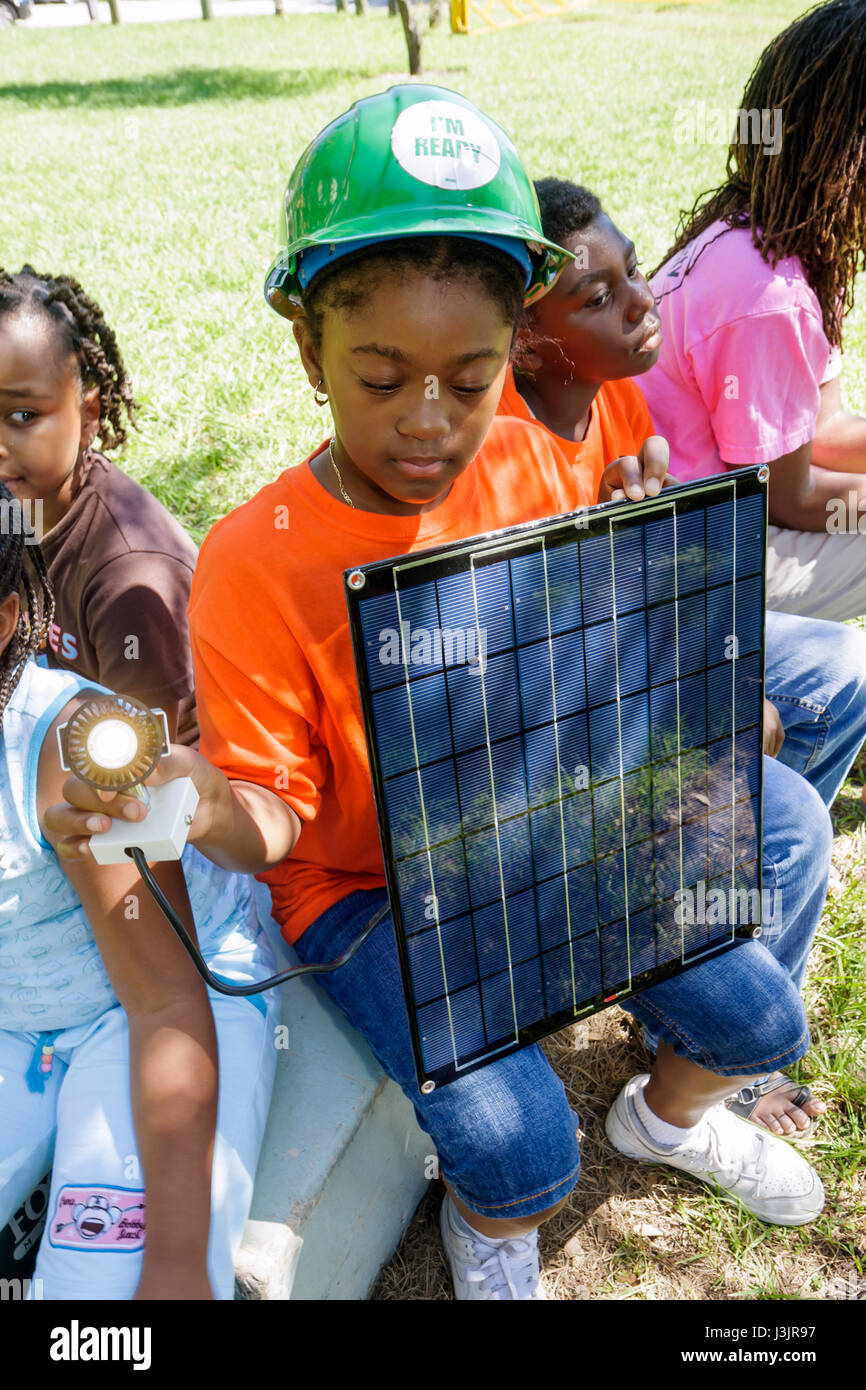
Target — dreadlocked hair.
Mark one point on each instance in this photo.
(85, 335)
(22, 572)
(809, 199)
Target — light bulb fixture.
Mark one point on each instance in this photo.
(114, 743)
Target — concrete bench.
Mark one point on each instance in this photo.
(342, 1163)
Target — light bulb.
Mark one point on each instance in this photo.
(112, 744)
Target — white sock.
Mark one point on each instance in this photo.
(465, 1229)
(670, 1136)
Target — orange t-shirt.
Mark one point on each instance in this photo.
(275, 676)
(619, 423)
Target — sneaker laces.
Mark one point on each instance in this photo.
(511, 1265)
(727, 1157)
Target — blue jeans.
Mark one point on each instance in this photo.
(505, 1135)
(816, 678)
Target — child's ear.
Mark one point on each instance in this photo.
(309, 356)
(91, 409)
(10, 609)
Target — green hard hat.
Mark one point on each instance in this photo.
(412, 161)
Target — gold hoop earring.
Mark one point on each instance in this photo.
(324, 400)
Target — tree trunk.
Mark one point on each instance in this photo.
(413, 38)
(435, 12)
(207, 9)
(392, 9)
(361, 7)
(93, 11)
(280, 8)
(341, 6)
(115, 12)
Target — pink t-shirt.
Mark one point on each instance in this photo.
(743, 357)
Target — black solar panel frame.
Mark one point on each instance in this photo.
(422, 567)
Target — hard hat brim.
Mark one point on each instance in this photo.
(283, 288)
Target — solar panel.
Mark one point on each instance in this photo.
(564, 723)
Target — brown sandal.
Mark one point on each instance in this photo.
(744, 1102)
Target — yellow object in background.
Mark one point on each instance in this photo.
(485, 15)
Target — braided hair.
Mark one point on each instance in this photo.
(85, 335)
(809, 199)
(22, 572)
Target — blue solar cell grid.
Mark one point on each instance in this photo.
(566, 734)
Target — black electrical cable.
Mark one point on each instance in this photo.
(215, 981)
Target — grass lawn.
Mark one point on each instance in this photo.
(150, 162)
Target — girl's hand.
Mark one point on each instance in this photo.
(634, 478)
(87, 812)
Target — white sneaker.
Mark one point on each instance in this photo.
(748, 1164)
(486, 1269)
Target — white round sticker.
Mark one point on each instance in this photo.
(446, 145)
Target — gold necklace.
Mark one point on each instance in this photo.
(346, 497)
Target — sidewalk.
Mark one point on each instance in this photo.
(159, 11)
